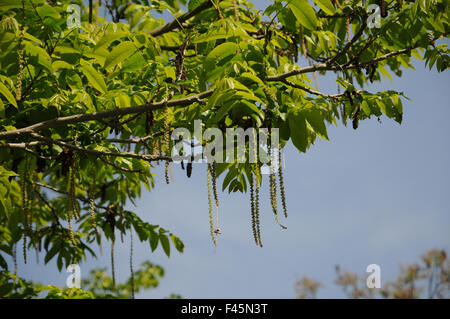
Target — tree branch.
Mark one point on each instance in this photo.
(181, 19)
(56, 190)
(327, 67)
(311, 91)
(146, 157)
(73, 119)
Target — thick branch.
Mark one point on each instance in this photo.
(73, 119)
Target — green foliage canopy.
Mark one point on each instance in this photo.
(85, 112)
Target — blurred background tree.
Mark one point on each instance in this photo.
(428, 278)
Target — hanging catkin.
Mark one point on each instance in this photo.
(25, 207)
(14, 255)
(256, 169)
(20, 56)
(210, 208)
(272, 178)
(281, 180)
(72, 195)
(92, 208)
(258, 224)
(347, 22)
(131, 264)
(253, 208)
(113, 272)
(72, 237)
(166, 140)
(214, 182)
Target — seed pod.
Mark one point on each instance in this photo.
(166, 172)
(383, 10)
(189, 169)
(149, 121)
(355, 121)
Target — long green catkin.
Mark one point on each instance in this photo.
(258, 224)
(113, 272)
(253, 208)
(72, 195)
(166, 141)
(131, 264)
(14, 255)
(20, 56)
(281, 180)
(25, 207)
(92, 209)
(273, 181)
(211, 220)
(214, 183)
(256, 167)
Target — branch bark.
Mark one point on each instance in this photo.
(180, 20)
(73, 119)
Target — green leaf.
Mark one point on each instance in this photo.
(316, 120)
(38, 53)
(61, 65)
(224, 109)
(73, 80)
(326, 6)
(108, 39)
(220, 52)
(2, 109)
(6, 93)
(135, 62)
(248, 96)
(94, 77)
(165, 243)
(119, 54)
(297, 127)
(194, 4)
(304, 13)
(365, 107)
(179, 245)
(52, 252)
(154, 239)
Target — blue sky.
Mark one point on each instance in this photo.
(379, 194)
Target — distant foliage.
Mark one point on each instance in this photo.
(429, 278)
